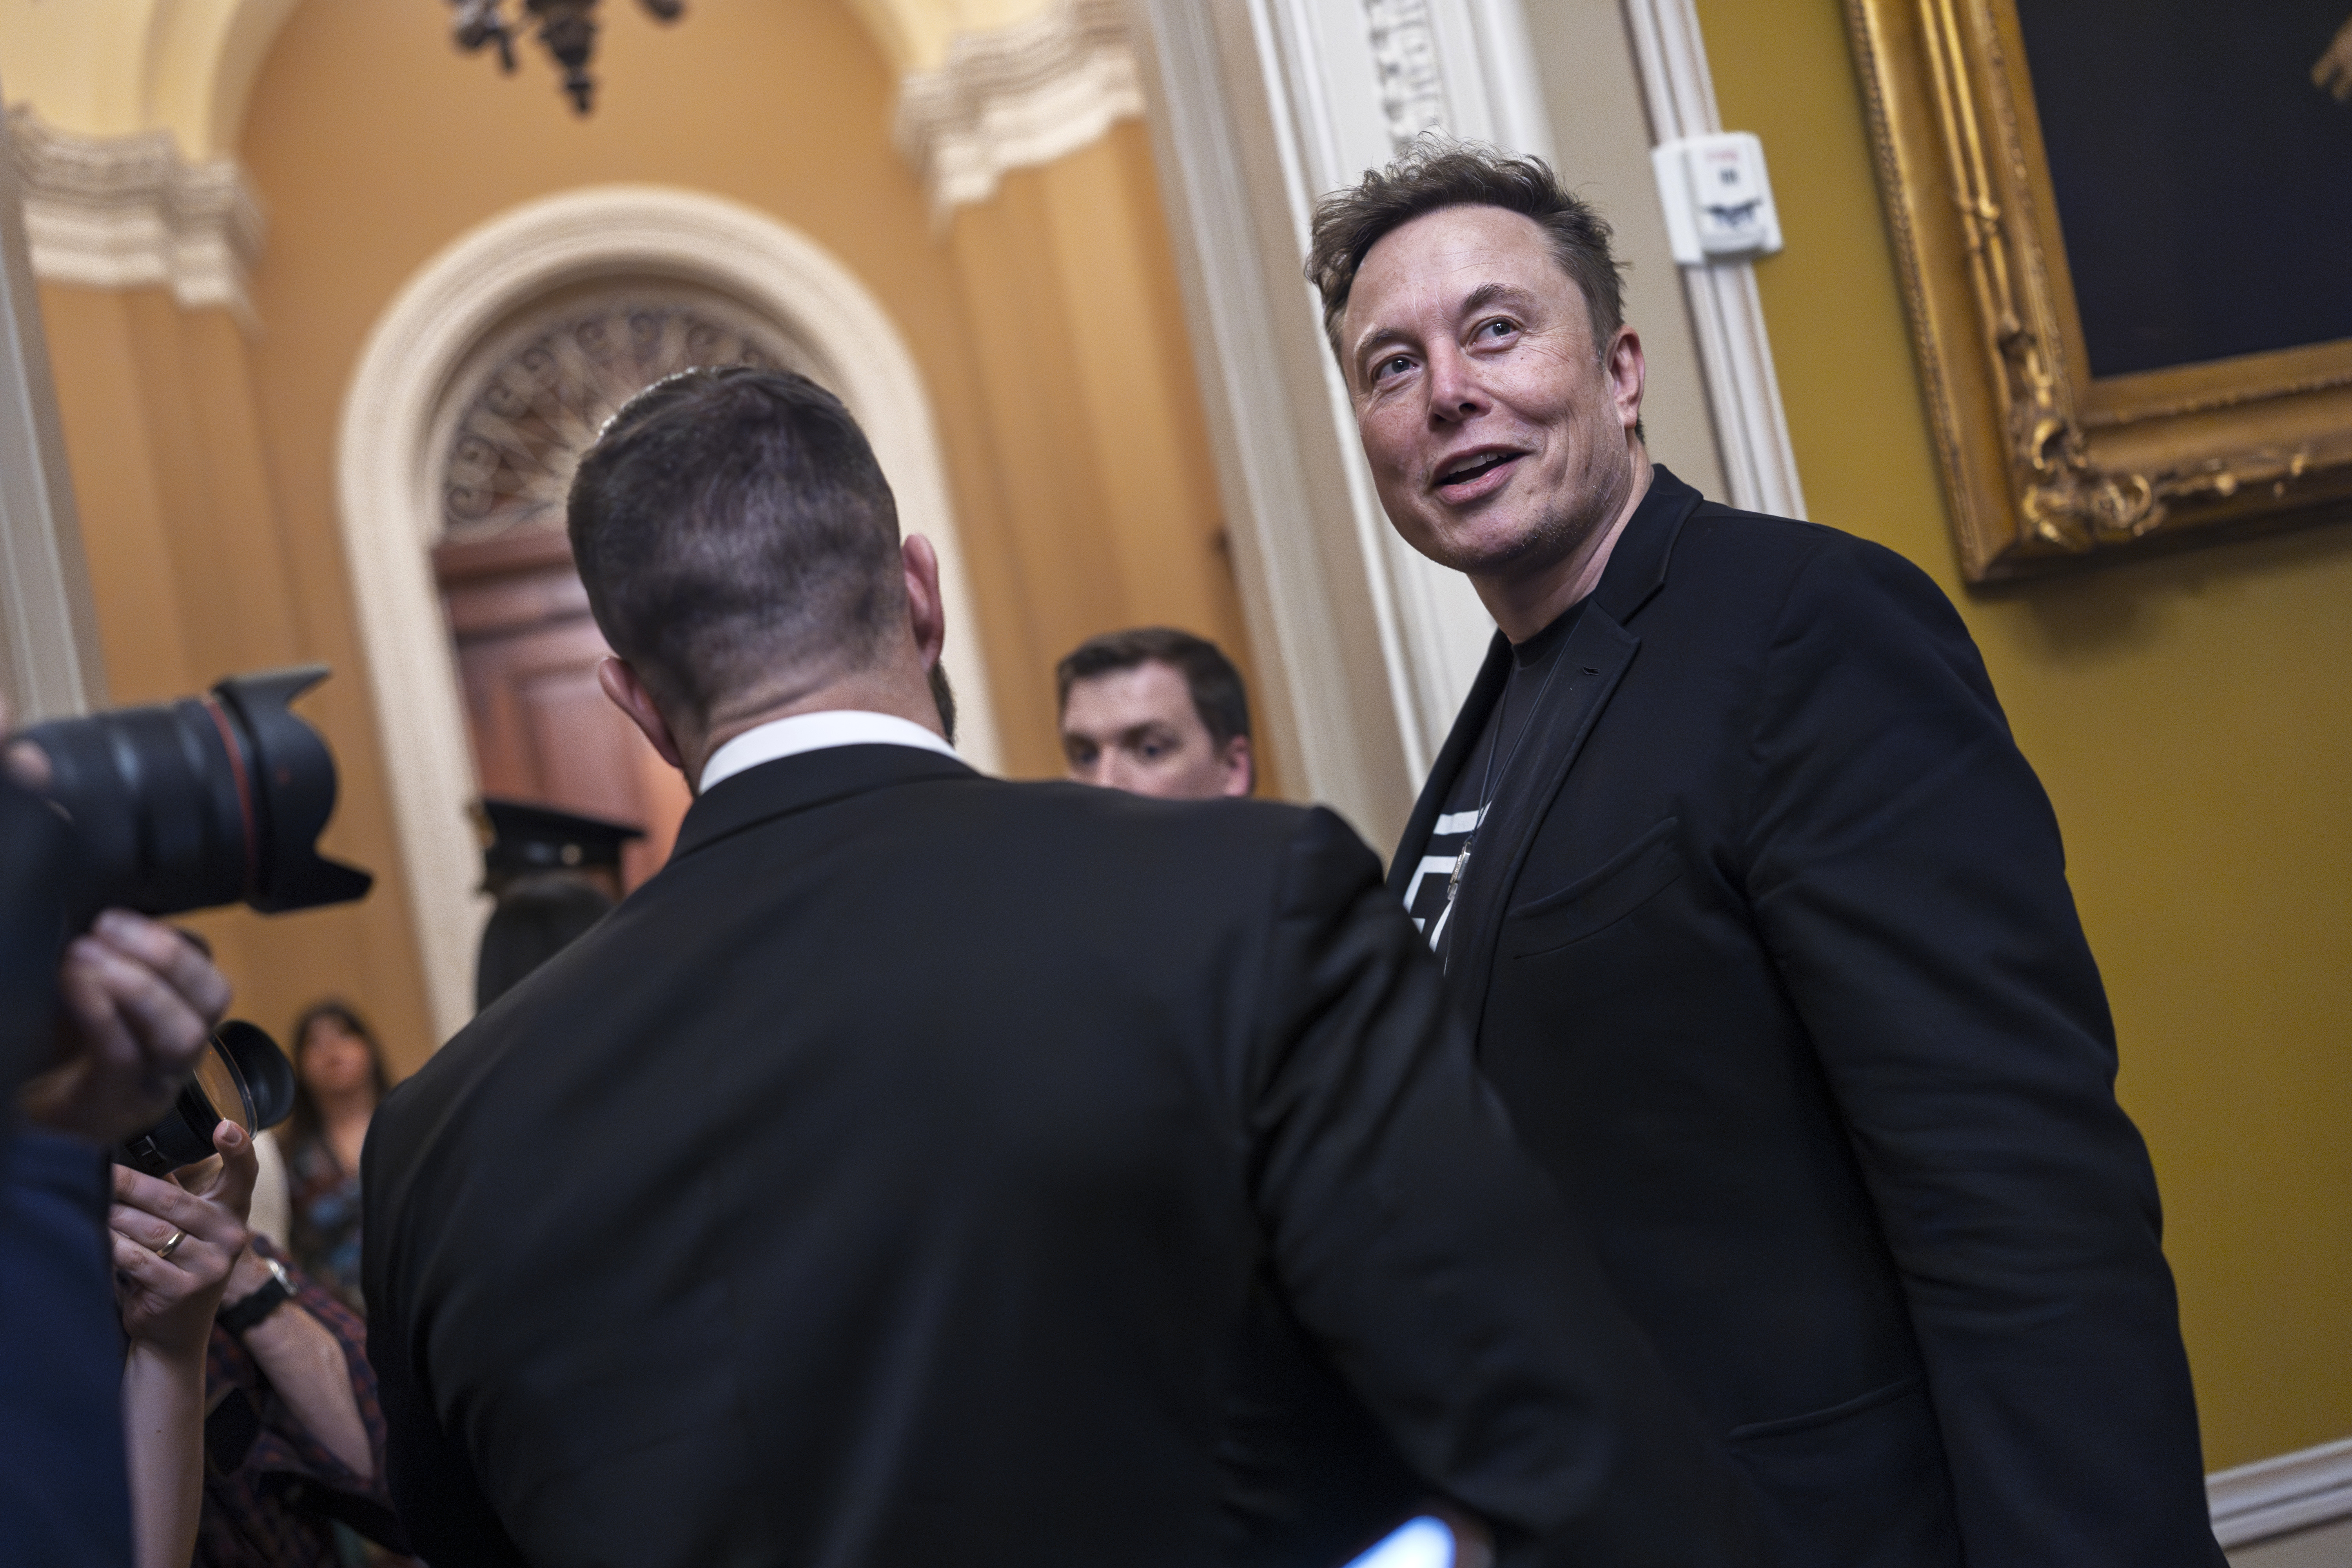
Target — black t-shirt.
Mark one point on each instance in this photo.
(1499, 749)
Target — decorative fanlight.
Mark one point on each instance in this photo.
(566, 27)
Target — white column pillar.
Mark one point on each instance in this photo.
(50, 663)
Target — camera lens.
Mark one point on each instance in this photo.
(242, 1077)
(223, 1089)
(205, 801)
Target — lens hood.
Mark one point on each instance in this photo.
(206, 801)
(294, 793)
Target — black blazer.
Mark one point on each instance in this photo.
(1788, 991)
(924, 1169)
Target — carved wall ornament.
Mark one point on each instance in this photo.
(128, 212)
(2044, 463)
(1016, 96)
(550, 388)
(1404, 51)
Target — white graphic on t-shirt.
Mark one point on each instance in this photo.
(1436, 869)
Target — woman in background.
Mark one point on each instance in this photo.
(339, 1077)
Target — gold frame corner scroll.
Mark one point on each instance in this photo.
(2046, 467)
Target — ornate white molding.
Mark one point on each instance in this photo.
(128, 212)
(1404, 51)
(1751, 429)
(1016, 98)
(2277, 1497)
(397, 416)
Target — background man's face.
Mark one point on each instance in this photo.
(1497, 440)
(1136, 730)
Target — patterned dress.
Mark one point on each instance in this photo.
(323, 1226)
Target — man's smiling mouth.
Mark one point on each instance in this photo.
(1469, 470)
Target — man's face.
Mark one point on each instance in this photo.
(1136, 730)
(1498, 437)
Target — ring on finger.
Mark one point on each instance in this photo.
(171, 1246)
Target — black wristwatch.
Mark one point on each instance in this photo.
(274, 1293)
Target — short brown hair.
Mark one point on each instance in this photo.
(1209, 674)
(732, 521)
(1432, 174)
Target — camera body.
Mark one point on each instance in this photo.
(187, 806)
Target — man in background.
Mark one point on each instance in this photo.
(1156, 711)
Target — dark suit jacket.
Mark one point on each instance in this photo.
(923, 1169)
(1788, 991)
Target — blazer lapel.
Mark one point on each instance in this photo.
(1598, 652)
(1467, 725)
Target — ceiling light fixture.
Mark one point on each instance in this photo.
(567, 28)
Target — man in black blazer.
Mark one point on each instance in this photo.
(924, 1169)
(1763, 926)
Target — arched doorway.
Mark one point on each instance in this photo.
(524, 409)
(469, 320)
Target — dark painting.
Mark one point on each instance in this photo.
(2203, 176)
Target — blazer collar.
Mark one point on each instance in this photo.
(1637, 566)
(802, 781)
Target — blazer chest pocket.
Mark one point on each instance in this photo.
(1636, 874)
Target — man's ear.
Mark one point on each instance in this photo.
(1628, 374)
(925, 611)
(628, 693)
(1241, 766)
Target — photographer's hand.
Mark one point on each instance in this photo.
(139, 1001)
(173, 1248)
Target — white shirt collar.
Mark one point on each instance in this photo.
(814, 732)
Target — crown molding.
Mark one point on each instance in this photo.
(1014, 98)
(128, 212)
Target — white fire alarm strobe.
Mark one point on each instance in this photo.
(1719, 202)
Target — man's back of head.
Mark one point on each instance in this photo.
(736, 540)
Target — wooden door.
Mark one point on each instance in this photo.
(541, 728)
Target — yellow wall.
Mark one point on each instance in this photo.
(2189, 718)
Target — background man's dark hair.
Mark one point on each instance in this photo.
(1432, 174)
(731, 522)
(1216, 684)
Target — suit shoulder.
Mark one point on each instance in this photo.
(1253, 850)
(1757, 549)
(1086, 808)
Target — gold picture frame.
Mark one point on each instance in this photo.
(2045, 466)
